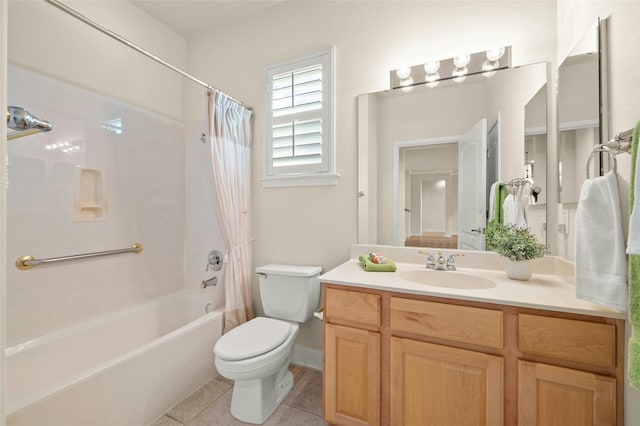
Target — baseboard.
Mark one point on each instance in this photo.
(307, 357)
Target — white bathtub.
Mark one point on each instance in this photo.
(124, 369)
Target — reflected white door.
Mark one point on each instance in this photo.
(472, 187)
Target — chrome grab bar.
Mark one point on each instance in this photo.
(28, 262)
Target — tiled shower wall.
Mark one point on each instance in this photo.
(137, 180)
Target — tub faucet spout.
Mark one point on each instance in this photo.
(210, 281)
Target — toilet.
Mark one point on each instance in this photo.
(256, 354)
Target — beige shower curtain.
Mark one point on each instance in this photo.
(230, 140)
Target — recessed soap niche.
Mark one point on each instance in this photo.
(91, 195)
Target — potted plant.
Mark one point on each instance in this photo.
(518, 245)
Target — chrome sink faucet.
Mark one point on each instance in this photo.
(440, 264)
(432, 263)
(451, 261)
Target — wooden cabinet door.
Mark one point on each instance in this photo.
(351, 376)
(439, 385)
(549, 396)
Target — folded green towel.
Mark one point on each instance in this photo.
(369, 266)
(634, 282)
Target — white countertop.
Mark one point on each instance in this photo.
(542, 291)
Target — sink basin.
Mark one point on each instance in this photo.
(448, 279)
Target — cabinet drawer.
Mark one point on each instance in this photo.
(352, 307)
(452, 322)
(571, 340)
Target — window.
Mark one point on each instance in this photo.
(300, 122)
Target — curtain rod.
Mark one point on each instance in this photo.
(137, 48)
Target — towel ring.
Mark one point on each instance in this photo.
(602, 148)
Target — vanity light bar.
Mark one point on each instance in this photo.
(457, 68)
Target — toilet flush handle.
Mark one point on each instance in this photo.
(262, 274)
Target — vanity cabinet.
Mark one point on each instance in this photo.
(393, 358)
(351, 382)
(440, 385)
(550, 395)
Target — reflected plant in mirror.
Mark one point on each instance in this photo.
(428, 157)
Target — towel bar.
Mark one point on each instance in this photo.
(28, 262)
(603, 148)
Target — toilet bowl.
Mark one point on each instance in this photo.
(259, 366)
(256, 355)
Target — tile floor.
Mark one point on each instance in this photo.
(210, 404)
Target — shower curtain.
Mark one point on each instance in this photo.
(229, 135)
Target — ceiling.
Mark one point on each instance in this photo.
(187, 17)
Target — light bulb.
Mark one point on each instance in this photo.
(432, 67)
(489, 68)
(461, 61)
(459, 74)
(406, 84)
(495, 53)
(432, 79)
(403, 73)
(429, 78)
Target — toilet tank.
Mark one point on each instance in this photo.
(289, 292)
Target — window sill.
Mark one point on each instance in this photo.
(319, 179)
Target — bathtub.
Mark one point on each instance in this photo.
(124, 369)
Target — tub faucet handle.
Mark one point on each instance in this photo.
(214, 261)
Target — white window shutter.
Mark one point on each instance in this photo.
(300, 116)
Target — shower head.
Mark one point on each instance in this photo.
(19, 119)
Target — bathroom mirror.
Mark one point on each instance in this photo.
(581, 108)
(578, 115)
(535, 162)
(412, 187)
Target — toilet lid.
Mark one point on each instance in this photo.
(252, 338)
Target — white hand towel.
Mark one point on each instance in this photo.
(514, 212)
(601, 264)
(633, 245)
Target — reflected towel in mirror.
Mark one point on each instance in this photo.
(514, 212)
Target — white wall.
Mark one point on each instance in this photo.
(46, 39)
(317, 225)
(140, 196)
(574, 20)
(202, 228)
(143, 166)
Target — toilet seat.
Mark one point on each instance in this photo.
(253, 338)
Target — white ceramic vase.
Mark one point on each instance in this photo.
(518, 270)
